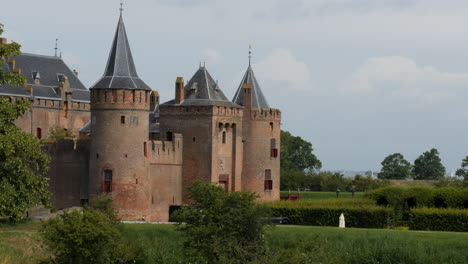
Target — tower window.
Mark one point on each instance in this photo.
(271, 125)
(122, 119)
(107, 183)
(273, 149)
(145, 150)
(268, 181)
(224, 137)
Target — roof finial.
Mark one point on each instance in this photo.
(250, 53)
(121, 7)
(204, 63)
(56, 46)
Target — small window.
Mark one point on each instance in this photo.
(268, 180)
(271, 125)
(39, 133)
(107, 183)
(122, 120)
(145, 150)
(224, 137)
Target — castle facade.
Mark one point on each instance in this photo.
(142, 152)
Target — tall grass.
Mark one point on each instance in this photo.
(286, 244)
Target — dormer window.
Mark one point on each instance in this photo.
(61, 77)
(194, 88)
(36, 76)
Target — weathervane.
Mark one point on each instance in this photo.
(250, 53)
(56, 46)
(121, 7)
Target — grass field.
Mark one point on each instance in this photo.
(310, 196)
(290, 244)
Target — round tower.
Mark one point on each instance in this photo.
(261, 138)
(120, 105)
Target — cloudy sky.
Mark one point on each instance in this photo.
(360, 79)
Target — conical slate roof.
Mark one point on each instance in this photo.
(258, 99)
(203, 90)
(120, 72)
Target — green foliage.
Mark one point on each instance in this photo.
(60, 133)
(224, 227)
(428, 166)
(450, 197)
(7, 50)
(327, 181)
(23, 182)
(439, 219)
(387, 196)
(395, 167)
(357, 212)
(315, 196)
(93, 235)
(296, 154)
(463, 171)
(418, 196)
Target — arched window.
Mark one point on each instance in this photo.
(107, 182)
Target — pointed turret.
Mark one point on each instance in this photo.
(120, 72)
(258, 99)
(202, 89)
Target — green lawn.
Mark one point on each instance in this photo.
(310, 196)
(289, 244)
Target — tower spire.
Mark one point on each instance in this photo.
(121, 7)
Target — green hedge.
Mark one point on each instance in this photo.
(417, 197)
(327, 214)
(439, 219)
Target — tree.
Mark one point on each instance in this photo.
(93, 235)
(60, 133)
(23, 163)
(7, 50)
(296, 154)
(395, 167)
(463, 171)
(428, 166)
(222, 227)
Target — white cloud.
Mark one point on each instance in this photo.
(282, 66)
(400, 77)
(212, 56)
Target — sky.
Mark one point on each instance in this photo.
(359, 79)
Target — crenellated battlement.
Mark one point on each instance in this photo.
(120, 98)
(190, 110)
(166, 152)
(266, 114)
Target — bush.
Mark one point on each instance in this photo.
(223, 227)
(326, 213)
(418, 197)
(449, 197)
(387, 196)
(93, 235)
(439, 219)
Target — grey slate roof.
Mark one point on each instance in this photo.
(203, 90)
(49, 69)
(258, 99)
(120, 70)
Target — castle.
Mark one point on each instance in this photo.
(142, 152)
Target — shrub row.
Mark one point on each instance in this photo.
(417, 197)
(439, 219)
(364, 216)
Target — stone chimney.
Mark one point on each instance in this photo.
(247, 95)
(12, 63)
(179, 90)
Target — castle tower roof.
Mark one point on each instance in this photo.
(203, 90)
(120, 72)
(258, 99)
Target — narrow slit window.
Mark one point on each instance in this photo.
(39, 133)
(224, 137)
(145, 150)
(122, 119)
